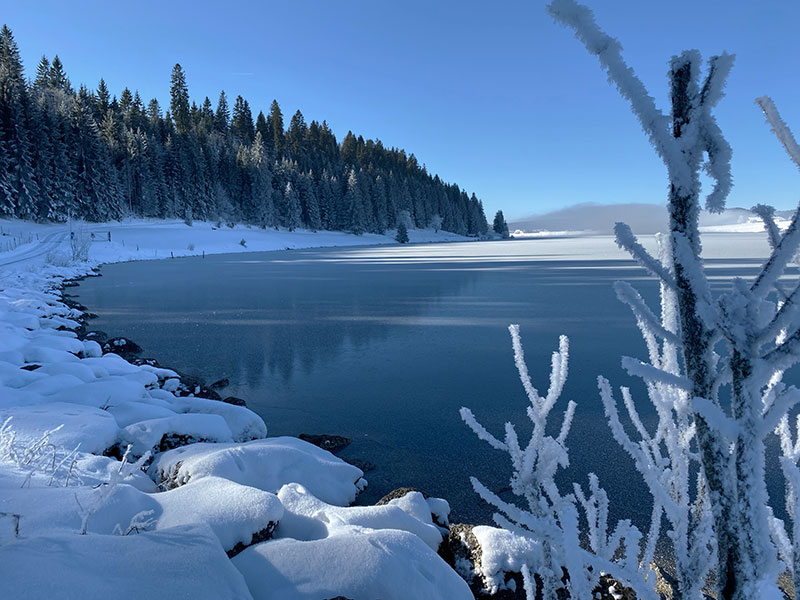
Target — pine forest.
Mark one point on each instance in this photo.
(83, 154)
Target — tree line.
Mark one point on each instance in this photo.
(67, 153)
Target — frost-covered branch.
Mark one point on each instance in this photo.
(609, 52)
(628, 242)
(780, 128)
(717, 148)
(552, 517)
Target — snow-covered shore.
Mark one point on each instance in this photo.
(168, 487)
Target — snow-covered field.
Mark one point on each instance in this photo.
(163, 487)
(141, 239)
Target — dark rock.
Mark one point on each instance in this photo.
(602, 591)
(219, 384)
(75, 305)
(258, 537)
(122, 346)
(69, 283)
(331, 443)
(234, 400)
(399, 493)
(170, 441)
(30, 367)
(114, 452)
(96, 336)
(462, 551)
(364, 465)
(152, 362)
(339, 598)
(192, 386)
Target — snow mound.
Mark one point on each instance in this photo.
(92, 429)
(71, 566)
(355, 563)
(234, 512)
(266, 464)
(245, 425)
(308, 518)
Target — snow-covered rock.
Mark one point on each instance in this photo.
(308, 518)
(236, 513)
(491, 559)
(168, 432)
(266, 464)
(182, 562)
(353, 562)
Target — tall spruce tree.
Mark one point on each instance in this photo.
(15, 132)
(179, 100)
(275, 123)
(223, 116)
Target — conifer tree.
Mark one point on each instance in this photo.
(14, 131)
(275, 123)
(357, 218)
(402, 233)
(295, 136)
(293, 214)
(42, 80)
(242, 121)
(222, 116)
(179, 100)
(500, 226)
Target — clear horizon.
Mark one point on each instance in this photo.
(500, 100)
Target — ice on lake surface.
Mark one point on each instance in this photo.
(384, 345)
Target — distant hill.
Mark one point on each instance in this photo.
(643, 218)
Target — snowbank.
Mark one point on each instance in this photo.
(266, 464)
(308, 518)
(354, 562)
(182, 562)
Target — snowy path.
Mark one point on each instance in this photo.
(40, 249)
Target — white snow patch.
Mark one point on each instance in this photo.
(147, 565)
(354, 562)
(266, 464)
(308, 518)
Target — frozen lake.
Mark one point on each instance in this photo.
(384, 345)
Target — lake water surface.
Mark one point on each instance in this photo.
(384, 345)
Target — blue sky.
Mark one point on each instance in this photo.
(491, 95)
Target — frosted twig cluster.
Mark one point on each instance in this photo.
(715, 364)
(666, 454)
(548, 515)
(38, 456)
(104, 491)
